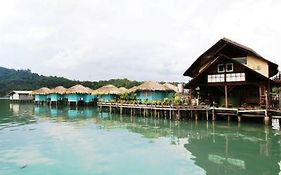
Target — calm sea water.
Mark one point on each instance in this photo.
(41, 140)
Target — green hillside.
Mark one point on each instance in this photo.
(11, 79)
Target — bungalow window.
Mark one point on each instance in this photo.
(229, 67)
(220, 68)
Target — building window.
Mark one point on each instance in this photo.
(229, 67)
(242, 60)
(234, 77)
(220, 68)
(217, 78)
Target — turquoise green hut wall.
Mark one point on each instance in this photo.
(150, 95)
(40, 97)
(79, 93)
(107, 97)
(56, 97)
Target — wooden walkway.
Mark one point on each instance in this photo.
(190, 112)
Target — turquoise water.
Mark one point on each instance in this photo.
(43, 140)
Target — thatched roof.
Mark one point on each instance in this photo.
(133, 89)
(58, 90)
(108, 89)
(78, 89)
(151, 86)
(43, 90)
(123, 89)
(171, 86)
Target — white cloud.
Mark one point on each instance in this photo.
(138, 39)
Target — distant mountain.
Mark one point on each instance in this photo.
(11, 79)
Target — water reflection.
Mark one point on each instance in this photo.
(217, 147)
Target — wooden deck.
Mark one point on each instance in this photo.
(204, 112)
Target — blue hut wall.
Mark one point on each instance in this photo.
(40, 97)
(170, 94)
(107, 97)
(150, 95)
(87, 98)
(55, 97)
(74, 97)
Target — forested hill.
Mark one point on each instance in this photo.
(11, 79)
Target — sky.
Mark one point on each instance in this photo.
(135, 39)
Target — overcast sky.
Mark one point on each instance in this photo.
(134, 39)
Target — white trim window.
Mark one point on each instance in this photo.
(229, 67)
(216, 78)
(220, 68)
(235, 77)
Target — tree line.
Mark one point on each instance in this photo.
(11, 79)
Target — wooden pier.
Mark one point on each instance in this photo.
(203, 112)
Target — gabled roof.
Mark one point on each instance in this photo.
(19, 92)
(217, 48)
(219, 58)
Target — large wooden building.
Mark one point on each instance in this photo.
(230, 74)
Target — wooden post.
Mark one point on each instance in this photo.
(196, 115)
(225, 96)
(239, 118)
(213, 113)
(170, 114)
(266, 118)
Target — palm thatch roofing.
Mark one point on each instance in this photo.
(123, 89)
(58, 90)
(78, 89)
(41, 91)
(133, 89)
(108, 89)
(171, 86)
(150, 86)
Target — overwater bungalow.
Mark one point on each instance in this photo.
(20, 96)
(41, 95)
(151, 91)
(57, 95)
(170, 94)
(230, 74)
(107, 93)
(79, 94)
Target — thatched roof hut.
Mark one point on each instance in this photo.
(108, 89)
(41, 91)
(58, 90)
(171, 86)
(78, 89)
(151, 86)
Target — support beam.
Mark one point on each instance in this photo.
(225, 96)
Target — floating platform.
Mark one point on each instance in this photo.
(204, 112)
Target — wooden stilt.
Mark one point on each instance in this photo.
(213, 114)
(225, 96)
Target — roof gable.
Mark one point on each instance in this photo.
(217, 60)
(229, 48)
